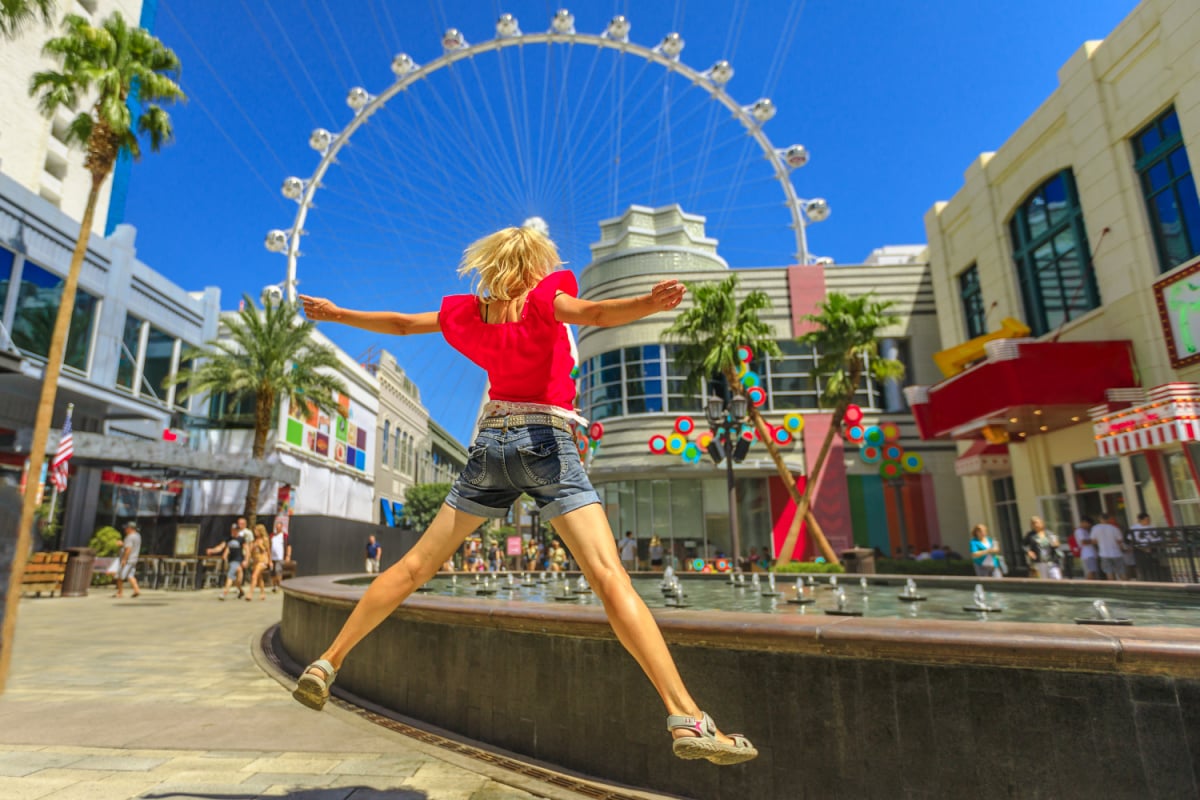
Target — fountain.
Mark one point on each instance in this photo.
(1103, 616)
(833, 583)
(910, 595)
(526, 580)
(754, 587)
(800, 599)
(581, 586)
(981, 604)
(677, 597)
(510, 583)
(564, 592)
(542, 578)
(839, 596)
(770, 592)
(486, 587)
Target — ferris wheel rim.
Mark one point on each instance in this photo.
(452, 55)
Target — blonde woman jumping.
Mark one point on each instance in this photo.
(513, 328)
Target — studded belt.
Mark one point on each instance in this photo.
(521, 420)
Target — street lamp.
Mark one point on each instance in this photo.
(729, 444)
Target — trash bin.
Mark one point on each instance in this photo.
(79, 572)
(859, 560)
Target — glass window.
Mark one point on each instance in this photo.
(395, 451)
(37, 308)
(1172, 203)
(1183, 490)
(160, 351)
(384, 449)
(1050, 248)
(974, 313)
(7, 259)
(127, 362)
(1147, 494)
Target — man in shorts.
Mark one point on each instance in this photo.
(1111, 544)
(281, 551)
(130, 548)
(1087, 549)
(628, 548)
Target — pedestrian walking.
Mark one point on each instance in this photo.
(515, 328)
(231, 554)
(985, 553)
(259, 560)
(281, 551)
(1087, 549)
(628, 550)
(131, 547)
(374, 553)
(1041, 548)
(1111, 544)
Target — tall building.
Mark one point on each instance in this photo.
(403, 435)
(33, 148)
(631, 385)
(1066, 266)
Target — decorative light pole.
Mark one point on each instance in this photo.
(730, 444)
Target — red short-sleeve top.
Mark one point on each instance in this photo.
(527, 361)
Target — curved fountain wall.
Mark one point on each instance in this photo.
(838, 707)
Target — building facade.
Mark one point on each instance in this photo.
(403, 434)
(632, 387)
(1064, 265)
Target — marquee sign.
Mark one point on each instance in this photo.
(1171, 414)
(1178, 300)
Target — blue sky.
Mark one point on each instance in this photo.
(893, 101)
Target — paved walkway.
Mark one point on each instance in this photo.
(160, 697)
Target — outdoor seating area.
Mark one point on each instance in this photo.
(186, 573)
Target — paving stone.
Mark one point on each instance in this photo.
(387, 765)
(118, 763)
(33, 787)
(292, 764)
(25, 762)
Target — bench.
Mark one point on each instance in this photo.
(44, 573)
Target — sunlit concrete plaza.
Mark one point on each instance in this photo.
(908, 478)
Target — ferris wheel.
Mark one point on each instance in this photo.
(524, 126)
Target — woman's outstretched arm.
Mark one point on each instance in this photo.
(607, 313)
(318, 309)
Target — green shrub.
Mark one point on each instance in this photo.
(810, 567)
(907, 566)
(106, 542)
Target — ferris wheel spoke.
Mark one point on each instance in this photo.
(518, 140)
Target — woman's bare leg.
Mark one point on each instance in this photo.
(443, 536)
(590, 539)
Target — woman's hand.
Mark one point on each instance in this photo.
(667, 294)
(318, 308)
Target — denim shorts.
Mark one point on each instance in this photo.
(538, 460)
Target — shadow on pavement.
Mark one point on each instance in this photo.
(340, 793)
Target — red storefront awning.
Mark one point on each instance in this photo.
(1024, 388)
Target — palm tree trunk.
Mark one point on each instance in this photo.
(785, 475)
(41, 425)
(803, 506)
(264, 403)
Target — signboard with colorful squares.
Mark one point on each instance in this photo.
(343, 436)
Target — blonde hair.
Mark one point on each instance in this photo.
(980, 528)
(260, 530)
(509, 262)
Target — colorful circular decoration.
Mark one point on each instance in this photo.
(582, 446)
(893, 452)
(756, 395)
(912, 462)
(684, 425)
(891, 431)
(675, 443)
(697, 564)
(782, 436)
(596, 431)
(745, 353)
(691, 453)
(743, 369)
(750, 379)
(722, 565)
(870, 454)
(855, 434)
(705, 439)
(853, 415)
(658, 444)
(793, 422)
(873, 435)
(889, 469)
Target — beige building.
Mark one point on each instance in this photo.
(630, 384)
(1083, 228)
(404, 439)
(33, 149)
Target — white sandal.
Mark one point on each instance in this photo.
(312, 690)
(705, 743)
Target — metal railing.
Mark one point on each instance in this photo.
(1167, 554)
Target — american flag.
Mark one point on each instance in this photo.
(61, 461)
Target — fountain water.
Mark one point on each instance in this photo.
(839, 596)
(1103, 616)
(909, 595)
(581, 586)
(770, 592)
(800, 599)
(754, 587)
(981, 603)
(486, 587)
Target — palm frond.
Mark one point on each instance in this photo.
(15, 15)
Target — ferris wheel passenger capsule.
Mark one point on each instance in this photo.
(817, 209)
(507, 27)
(403, 64)
(320, 139)
(618, 28)
(357, 98)
(795, 156)
(762, 109)
(292, 188)
(277, 241)
(453, 39)
(720, 73)
(563, 22)
(671, 45)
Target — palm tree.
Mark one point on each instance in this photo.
(710, 333)
(16, 14)
(267, 354)
(846, 341)
(101, 66)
